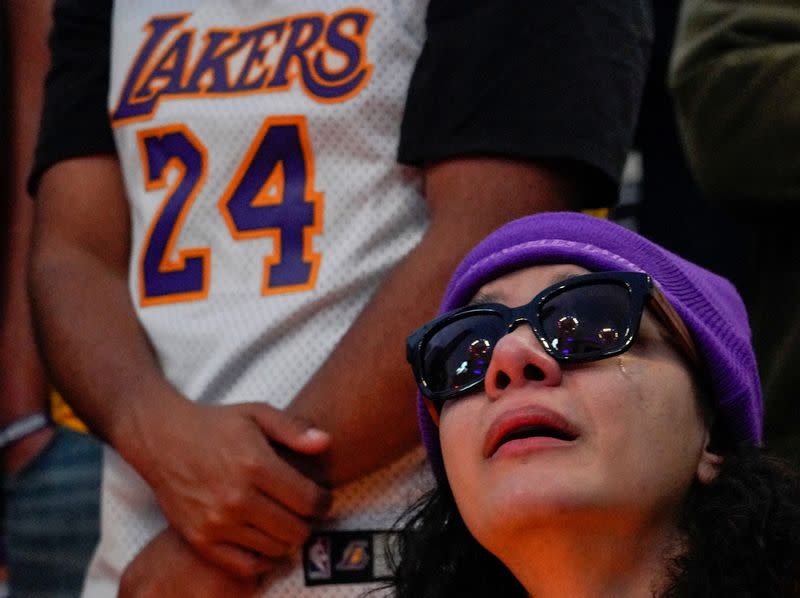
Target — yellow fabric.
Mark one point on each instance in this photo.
(597, 213)
(63, 414)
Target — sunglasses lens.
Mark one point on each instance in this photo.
(458, 354)
(587, 322)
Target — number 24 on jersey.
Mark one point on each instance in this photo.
(270, 195)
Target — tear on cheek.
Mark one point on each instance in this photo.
(635, 376)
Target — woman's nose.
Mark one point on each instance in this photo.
(519, 359)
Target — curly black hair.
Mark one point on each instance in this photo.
(743, 531)
(742, 535)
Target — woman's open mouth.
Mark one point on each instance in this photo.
(527, 429)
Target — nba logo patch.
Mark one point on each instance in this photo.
(355, 556)
(318, 558)
(348, 557)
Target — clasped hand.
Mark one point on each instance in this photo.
(222, 484)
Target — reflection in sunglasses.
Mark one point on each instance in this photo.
(608, 336)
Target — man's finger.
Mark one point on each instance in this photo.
(262, 544)
(288, 487)
(238, 561)
(265, 516)
(292, 432)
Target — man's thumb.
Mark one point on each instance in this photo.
(294, 433)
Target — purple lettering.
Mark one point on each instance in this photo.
(214, 60)
(344, 45)
(162, 278)
(127, 107)
(248, 79)
(296, 49)
(170, 68)
(327, 56)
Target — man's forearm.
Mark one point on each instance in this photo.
(237, 503)
(93, 345)
(364, 394)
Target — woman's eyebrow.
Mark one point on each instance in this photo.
(485, 298)
(561, 277)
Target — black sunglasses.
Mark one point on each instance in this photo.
(584, 318)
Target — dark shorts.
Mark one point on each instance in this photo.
(52, 517)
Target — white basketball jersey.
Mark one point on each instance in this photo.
(258, 143)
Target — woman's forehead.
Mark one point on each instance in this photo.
(520, 286)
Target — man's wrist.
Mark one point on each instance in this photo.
(23, 427)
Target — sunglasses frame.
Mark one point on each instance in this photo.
(640, 288)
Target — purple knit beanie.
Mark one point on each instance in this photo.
(708, 304)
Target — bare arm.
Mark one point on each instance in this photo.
(23, 387)
(236, 500)
(80, 264)
(366, 377)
